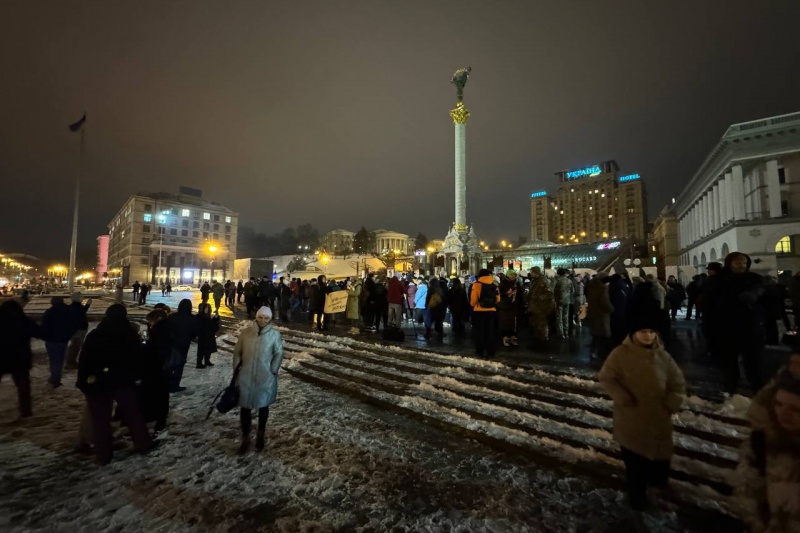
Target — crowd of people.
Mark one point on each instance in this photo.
(629, 320)
(137, 370)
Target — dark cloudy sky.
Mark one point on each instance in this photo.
(335, 113)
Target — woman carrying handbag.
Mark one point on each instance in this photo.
(258, 353)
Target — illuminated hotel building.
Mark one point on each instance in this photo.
(592, 204)
(182, 238)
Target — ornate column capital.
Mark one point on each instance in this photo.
(460, 114)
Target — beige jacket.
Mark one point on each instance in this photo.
(647, 387)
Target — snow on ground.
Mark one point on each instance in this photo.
(332, 463)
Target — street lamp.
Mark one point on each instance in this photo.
(212, 250)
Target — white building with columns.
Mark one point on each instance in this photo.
(746, 197)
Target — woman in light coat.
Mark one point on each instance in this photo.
(647, 388)
(259, 350)
(353, 311)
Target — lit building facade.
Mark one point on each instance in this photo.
(591, 203)
(746, 197)
(337, 241)
(179, 238)
(664, 245)
(387, 241)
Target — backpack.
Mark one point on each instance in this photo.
(488, 295)
(435, 300)
(392, 333)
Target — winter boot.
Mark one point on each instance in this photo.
(427, 334)
(506, 341)
(245, 445)
(513, 341)
(260, 441)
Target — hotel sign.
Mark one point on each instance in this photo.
(629, 177)
(588, 171)
(538, 194)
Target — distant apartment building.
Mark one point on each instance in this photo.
(337, 241)
(592, 203)
(180, 238)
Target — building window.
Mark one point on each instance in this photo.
(227, 229)
(196, 225)
(148, 217)
(782, 176)
(206, 216)
(784, 245)
(185, 223)
(146, 228)
(184, 233)
(206, 225)
(145, 260)
(195, 234)
(216, 236)
(216, 227)
(205, 235)
(185, 213)
(216, 218)
(785, 208)
(227, 220)
(174, 211)
(148, 208)
(173, 231)
(227, 237)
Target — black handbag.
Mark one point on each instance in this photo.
(228, 397)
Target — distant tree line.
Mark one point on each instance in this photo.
(287, 242)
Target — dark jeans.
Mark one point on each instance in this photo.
(689, 307)
(484, 324)
(729, 347)
(56, 353)
(381, 313)
(100, 408)
(245, 419)
(640, 473)
(22, 380)
(176, 371)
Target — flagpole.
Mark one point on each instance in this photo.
(73, 249)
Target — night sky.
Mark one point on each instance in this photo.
(336, 113)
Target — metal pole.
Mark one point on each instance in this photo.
(73, 249)
(160, 239)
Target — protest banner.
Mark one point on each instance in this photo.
(336, 302)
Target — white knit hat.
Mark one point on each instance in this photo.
(264, 311)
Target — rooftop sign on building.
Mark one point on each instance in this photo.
(588, 171)
(538, 194)
(629, 177)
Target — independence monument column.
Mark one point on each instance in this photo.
(460, 116)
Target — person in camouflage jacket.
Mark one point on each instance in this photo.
(563, 291)
(540, 304)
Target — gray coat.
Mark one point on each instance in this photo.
(261, 355)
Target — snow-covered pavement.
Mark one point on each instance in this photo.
(334, 462)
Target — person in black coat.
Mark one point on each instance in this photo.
(735, 320)
(16, 331)
(207, 327)
(284, 299)
(154, 388)
(459, 306)
(618, 292)
(58, 325)
(79, 309)
(434, 314)
(317, 303)
(110, 364)
(184, 329)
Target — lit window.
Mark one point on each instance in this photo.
(227, 220)
(206, 216)
(148, 217)
(784, 245)
(610, 216)
(185, 212)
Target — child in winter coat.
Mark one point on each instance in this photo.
(647, 388)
